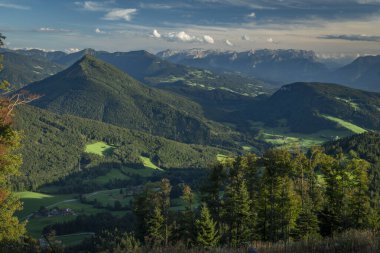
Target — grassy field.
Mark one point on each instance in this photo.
(73, 239)
(352, 127)
(108, 197)
(32, 201)
(99, 148)
(283, 137)
(148, 163)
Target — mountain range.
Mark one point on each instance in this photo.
(280, 67)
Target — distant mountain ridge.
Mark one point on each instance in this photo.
(277, 66)
(154, 71)
(363, 73)
(282, 66)
(20, 70)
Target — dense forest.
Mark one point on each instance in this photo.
(281, 196)
(62, 141)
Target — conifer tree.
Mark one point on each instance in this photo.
(211, 190)
(207, 234)
(278, 201)
(237, 210)
(155, 233)
(360, 204)
(187, 219)
(166, 189)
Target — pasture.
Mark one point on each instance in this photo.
(148, 163)
(99, 148)
(345, 124)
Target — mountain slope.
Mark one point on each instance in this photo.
(309, 107)
(363, 73)
(366, 146)
(96, 90)
(20, 70)
(54, 144)
(277, 66)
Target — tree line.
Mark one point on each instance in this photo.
(280, 196)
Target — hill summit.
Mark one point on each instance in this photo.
(93, 89)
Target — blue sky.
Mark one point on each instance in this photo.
(331, 28)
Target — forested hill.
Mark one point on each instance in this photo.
(96, 90)
(366, 146)
(309, 107)
(53, 146)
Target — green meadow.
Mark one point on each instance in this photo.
(345, 124)
(148, 163)
(99, 148)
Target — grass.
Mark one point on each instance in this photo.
(111, 175)
(223, 158)
(353, 105)
(108, 197)
(73, 239)
(99, 148)
(283, 137)
(32, 201)
(148, 163)
(345, 124)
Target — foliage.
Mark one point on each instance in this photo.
(10, 227)
(301, 106)
(206, 229)
(58, 150)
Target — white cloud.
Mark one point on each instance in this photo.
(14, 6)
(252, 15)
(47, 29)
(51, 30)
(91, 6)
(97, 30)
(245, 37)
(156, 34)
(72, 50)
(120, 14)
(208, 39)
(229, 43)
(183, 36)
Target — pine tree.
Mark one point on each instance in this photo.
(207, 234)
(278, 200)
(237, 210)
(186, 230)
(211, 190)
(166, 189)
(155, 228)
(307, 225)
(360, 204)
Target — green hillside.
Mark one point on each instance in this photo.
(301, 107)
(96, 90)
(366, 146)
(54, 145)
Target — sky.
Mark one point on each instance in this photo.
(330, 28)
